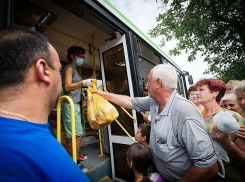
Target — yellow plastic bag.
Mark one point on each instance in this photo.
(100, 112)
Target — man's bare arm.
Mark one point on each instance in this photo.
(196, 174)
(121, 100)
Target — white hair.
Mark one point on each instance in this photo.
(167, 74)
(240, 87)
(229, 96)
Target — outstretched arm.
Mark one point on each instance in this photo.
(121, 100)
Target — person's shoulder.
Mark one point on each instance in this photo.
(182, 104)
(184, 110)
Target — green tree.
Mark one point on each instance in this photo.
(216, 28)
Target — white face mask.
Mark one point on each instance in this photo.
(79, 61)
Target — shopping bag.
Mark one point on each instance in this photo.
(100, 112)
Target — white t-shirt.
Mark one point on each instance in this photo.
(155, 177)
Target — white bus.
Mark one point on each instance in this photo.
(120, 53)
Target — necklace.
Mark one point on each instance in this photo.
(13, 114)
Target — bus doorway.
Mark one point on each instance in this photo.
(116, 76)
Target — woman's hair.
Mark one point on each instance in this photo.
(214, 85)
(240, 87)
(229, 96)
(191, 88)
(145, 131)
(233, 83)
(167, 74)
(74, 50)
(141, 157)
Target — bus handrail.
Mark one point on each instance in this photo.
(73, 132)
(134, 119)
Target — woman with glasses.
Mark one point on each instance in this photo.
(72, 83)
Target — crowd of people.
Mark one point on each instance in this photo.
(176, 144)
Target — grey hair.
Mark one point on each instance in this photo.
(167, 74)
(229, 96)
(240, 87)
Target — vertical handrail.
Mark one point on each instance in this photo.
(100, 139)
(73, 135)
(134, 119)
(94, 76)
(94, 72)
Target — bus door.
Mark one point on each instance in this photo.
(116, 76)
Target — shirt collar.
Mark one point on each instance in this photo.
(166, 109)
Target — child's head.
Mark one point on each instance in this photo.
(139, 157)
(143, 133)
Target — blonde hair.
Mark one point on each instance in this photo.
(233, 83)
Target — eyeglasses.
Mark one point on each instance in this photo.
(80, 56)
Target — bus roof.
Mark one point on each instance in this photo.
(133, 27)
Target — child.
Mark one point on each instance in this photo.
(139, 158)
(143, 134)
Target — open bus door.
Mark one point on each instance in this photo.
(116, 76)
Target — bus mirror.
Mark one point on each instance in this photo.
(190, 79)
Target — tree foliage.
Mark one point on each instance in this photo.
(216, 28)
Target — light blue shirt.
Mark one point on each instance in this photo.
(179, 138)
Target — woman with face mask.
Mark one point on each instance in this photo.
(72, 83)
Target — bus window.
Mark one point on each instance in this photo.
(180, 86)
(148, 53)
(145, 68)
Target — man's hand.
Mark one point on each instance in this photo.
(145, 117)
(241, 132)
(88, 82)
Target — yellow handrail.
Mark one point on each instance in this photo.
(73, 134)
(134, 119)
(100, 139)
(125, 131)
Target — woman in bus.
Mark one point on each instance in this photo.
(72, 83)
(209, 93)
(229, 101)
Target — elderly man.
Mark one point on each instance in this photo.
(179, 141)
(30, 84)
